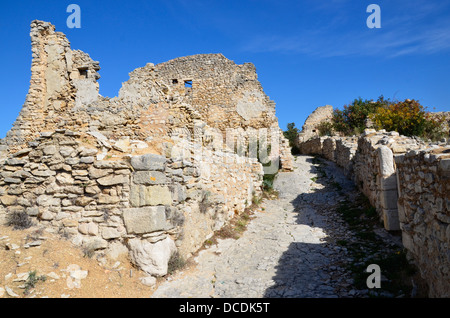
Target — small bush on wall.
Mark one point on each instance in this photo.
(408, 118)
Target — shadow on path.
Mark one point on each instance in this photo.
(320, 262)
(313, 265)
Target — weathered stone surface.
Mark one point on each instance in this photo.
(113, 180)
(149, 177)
(152, 258)
(88, 228)
(148, 162)
(98, 173)
(144, 220)
(408, 191)
(65, 178)
(49, 150)
(47, 200)
(110, 165)
(141, 195)
(108, 199)
(43, 173)
(109, 233)
(8, 199)
(15, 162)
(386, 161)
(87, 159)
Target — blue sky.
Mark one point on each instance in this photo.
(307, 53)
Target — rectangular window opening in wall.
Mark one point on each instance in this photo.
(188, 84)
(83, 72)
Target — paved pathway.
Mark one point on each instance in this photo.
(288, 250)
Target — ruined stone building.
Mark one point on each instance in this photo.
(146, 172)
(309, 128)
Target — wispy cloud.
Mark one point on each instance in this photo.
(423, 29)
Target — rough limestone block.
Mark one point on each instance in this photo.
(401, 213)
(390, 218)
(389, 198)
(109, 233)
(148, 162)
(145, 220)
(8, 199)
(386, 158)
(141, 195)
(408, 242)
(47, 200)
(388, 183)
(95, 173)
(149, 177)
(152, 258)
(113, 180)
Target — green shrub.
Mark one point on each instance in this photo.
(291, 133)
(325, 128)
(32, 280)
(408, 118)
(352, 119)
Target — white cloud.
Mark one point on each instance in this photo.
(420, 29)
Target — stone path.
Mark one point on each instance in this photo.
(288, 250)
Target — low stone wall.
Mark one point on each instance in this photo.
(409, 188)
(424, 213)
(149, 205)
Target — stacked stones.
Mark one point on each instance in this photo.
(59, 182)
(149, 205)
(309, 128)
(407, 183)
(424, 213)
(85, 165)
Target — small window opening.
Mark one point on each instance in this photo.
(83, 72)
(175, 81)
(188, 84)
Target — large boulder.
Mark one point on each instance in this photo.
(152, 258)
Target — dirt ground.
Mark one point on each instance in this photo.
(50, 261)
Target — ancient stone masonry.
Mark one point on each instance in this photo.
(204, 93)
(309, 128)
(407, 181)
(423, 178)
(136, 202)
(147, 172)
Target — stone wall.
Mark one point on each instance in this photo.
(156, 102)
(424, 213)
(148, 172)
(309, 128)
(150, 205)
(409, 188)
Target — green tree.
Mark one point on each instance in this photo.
(352, 119)
(291, 134)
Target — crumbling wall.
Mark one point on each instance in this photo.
(409, 188)
(424, 213)
(156, 103)
(309, 128)
(145, 204)
(147, 172)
